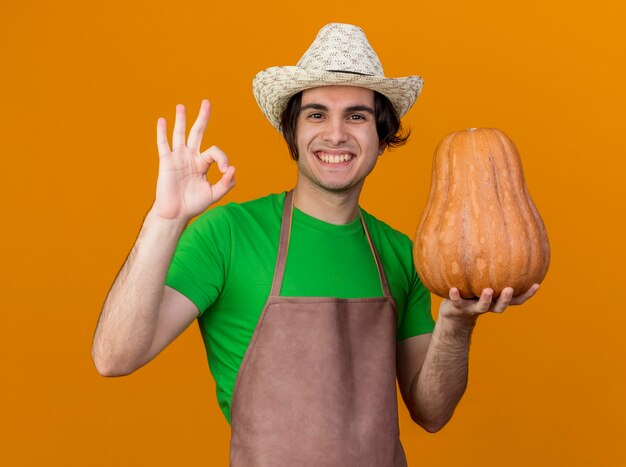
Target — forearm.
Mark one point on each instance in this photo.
(440, 384)
(129, 317)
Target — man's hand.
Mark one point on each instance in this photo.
(140, 315)
(183, 190)
(464, 311)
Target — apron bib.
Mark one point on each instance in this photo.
(317, 385)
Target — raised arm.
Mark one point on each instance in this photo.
(141, 315)
(432, 369)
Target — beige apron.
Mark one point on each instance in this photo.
(317, 385)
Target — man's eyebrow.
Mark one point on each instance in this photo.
(360, 108)
(313, 106)
(352, 108)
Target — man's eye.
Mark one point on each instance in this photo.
(316, 115)
(357, 117)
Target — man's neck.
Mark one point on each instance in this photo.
(334, 208)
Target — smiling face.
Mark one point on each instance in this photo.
(336, 136)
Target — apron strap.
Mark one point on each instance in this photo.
(283, 247)
(379, 264)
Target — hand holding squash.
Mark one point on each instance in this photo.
(466, 311)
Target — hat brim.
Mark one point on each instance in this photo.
(275, 86)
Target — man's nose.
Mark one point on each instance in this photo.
(336, 131)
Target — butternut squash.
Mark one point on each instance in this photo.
(480, 227)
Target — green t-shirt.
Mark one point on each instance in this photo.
(224, 263)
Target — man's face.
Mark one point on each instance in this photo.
(336, 137)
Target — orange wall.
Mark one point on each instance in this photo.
(82, 87)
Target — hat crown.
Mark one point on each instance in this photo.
(342, 48)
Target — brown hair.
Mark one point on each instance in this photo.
(388, 125)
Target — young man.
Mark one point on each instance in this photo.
(309, 307)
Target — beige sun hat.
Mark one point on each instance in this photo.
(339, 55)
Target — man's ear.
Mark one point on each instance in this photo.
(381, 148)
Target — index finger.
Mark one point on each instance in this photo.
(474, 305)
(215, 154)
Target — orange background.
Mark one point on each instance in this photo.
(82, 87)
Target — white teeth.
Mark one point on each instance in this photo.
(336, 159)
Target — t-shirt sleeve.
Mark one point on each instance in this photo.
(417, 318)
(200, 262)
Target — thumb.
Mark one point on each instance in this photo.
(224, 184)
